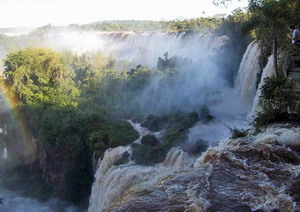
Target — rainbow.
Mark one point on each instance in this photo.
(25, 145)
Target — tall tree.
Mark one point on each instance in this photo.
(270, 20)
(38, 76)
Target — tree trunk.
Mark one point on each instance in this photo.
(275, 47)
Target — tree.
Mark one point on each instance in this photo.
(270, 20)
(38, 76)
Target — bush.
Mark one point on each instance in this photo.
(111, 133)
(238, 133)
(149, 140)
(151, 152)
(276, 102)
(148, 155)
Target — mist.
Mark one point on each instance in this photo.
(196, 78)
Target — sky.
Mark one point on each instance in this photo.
(33, 13)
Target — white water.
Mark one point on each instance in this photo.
(137, 48)
(3, 153)
(202, 85)
(112, 181)
(267, 72)
(245, 81)
(276, 139)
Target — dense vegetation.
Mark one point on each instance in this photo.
(58, 98)
(277, 102)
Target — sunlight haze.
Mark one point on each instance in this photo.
(22, 13)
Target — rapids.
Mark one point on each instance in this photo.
(259, 172)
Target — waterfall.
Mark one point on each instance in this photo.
(5, 152)
(138, 48)
(237, 172)
(112, 181)
(245, 81)
(267, 72)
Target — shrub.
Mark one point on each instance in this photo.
(148, 155)
(149, 140)
(276, 102)
(238, 133)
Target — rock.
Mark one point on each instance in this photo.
(123, 160)
(194, 148)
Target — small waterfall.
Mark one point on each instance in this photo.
(112, 181)
(3, 151)
(246, 78)
(267, 72)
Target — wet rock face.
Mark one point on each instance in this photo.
(70, 175)
(258, 173)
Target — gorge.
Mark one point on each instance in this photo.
(252, 173)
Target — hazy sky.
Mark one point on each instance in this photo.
(16, 13)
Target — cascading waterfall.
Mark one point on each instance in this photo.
(112, 180)
(115, 184)
(246, 79)
(138, 48)
(4, 155)
(133, 187)
(247, 174)
(267, 72)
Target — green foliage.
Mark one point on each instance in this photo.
(111, 134)
(166, 63)
(131, 25)
(148, 155)
(276, 101)
(238, 133)
(231, 53)
(203, 25)
(149, 140)
(38, 76)
(176, 126)
(63, 127)
(138, 78)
